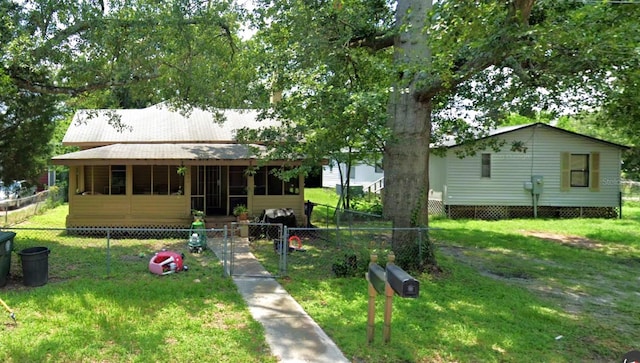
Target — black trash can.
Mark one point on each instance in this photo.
(6, 246)
(35, 266)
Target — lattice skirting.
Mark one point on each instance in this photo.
(492, 212)
(144, 232)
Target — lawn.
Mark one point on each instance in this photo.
(97, 310)
(510, 291)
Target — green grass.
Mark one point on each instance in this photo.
(326, 196)
(506, 294)
(129, 315)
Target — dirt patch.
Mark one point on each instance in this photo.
(571, 241)
(583, 289)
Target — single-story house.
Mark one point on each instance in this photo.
(361, 175)
(540, 170)
(160, 164)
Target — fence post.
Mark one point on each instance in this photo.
(225, 261)
(284, 250)
(420, 230)
(108, 251)
(232, 247)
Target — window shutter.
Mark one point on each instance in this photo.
(565, 172)
(594, 172)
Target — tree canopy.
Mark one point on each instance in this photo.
(451, 69)
(360, 75)
(61, 55)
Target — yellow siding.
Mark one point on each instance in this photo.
(132, 210)
(128, 211)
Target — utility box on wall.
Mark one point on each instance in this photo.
(537, 182)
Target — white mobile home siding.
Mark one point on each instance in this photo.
(510, 170)
(365, 175)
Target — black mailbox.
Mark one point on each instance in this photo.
(376, 277)
(402, 283)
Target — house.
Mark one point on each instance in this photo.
(361, 175)
(159, 164)
(539, 170)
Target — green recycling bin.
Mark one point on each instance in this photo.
(6, 246)
(35, 266)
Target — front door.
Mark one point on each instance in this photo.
(209, 189)
(215, 187)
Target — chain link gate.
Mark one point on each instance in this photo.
(236, 252)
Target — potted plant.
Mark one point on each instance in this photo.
(241, 211)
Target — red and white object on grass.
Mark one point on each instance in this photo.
(166, 262)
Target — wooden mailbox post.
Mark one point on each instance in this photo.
(392, 281)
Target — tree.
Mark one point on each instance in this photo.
(57, 56)
(494, 57)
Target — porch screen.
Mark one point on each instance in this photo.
(157, 180)
(105, 179)
(268, 182)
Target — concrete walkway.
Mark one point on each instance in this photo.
(290, 332)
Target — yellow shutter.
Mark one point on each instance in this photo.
(594, 172)
(565, 172)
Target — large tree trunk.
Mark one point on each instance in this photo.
(406, 159)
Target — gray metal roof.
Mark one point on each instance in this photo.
(450, 142)
(161, 152)
(159, 124)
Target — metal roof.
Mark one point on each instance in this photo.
(159, 124)
(450, 142)
(180, 152)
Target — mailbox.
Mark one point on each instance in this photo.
(402, 283)
(376, 277)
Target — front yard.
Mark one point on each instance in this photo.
(510, 291)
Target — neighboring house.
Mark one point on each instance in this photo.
(550, 173)
(361, 175)
(163, 164)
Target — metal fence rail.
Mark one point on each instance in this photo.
(16, 211)
(245, 249)
(630, 190)
(118, 248)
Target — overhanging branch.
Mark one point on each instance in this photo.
(373, 42)
(43, 88)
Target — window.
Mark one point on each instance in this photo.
(118, 179)
(105, 179)
(260, 181)
(157, 180)
(237, 180)
(579, 170)
(486, 166)
(142, 179)
(267, 182)
(274, 183)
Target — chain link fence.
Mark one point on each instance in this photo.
(18, 210)
(326, 216)
(334, 252)
(630, 190)
(108, 252)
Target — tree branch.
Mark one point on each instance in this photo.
(374, 42)
(519, 12)
(80, 27)
(43, 88)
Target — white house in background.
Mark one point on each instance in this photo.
(551, 173)
(361, 175)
